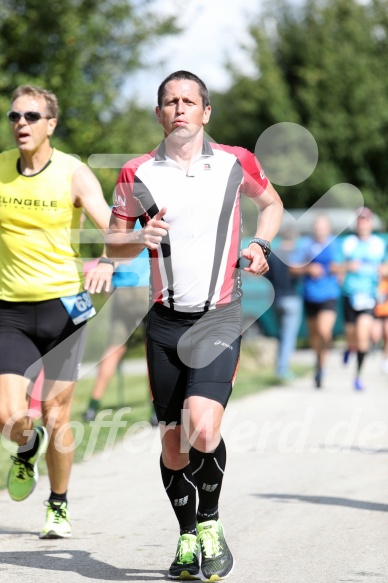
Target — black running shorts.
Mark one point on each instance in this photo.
(191, 354)
(314, 308)
(36, 333)
(351, 315)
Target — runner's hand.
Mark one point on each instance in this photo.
(258, 263)
(155, 230)
(99, 278)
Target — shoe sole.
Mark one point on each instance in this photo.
(52, 535)
(217, 577)
(185, 576)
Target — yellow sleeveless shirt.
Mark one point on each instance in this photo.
(39, 231)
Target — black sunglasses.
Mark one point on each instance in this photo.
(30, 116)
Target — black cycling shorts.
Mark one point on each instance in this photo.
(351, 315)
(33, 334)
(314, 308)
(191, 354)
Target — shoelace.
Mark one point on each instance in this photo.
(210, 542)
(24, 468)
(186, 551)
(59, 511)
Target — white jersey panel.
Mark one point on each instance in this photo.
(194, 203)
(194, 268)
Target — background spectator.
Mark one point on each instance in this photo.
(288, 303)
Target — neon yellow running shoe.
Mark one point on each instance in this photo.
(23, 475)
(57, 523)
(217, 560)
(186, 563)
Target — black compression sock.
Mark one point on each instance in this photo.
(208, 472)
(360, 360)
(181, 490)
(210, 514)
(94, 404)
(54, 497)
(30, 448)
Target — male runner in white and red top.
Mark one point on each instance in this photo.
(187, 196)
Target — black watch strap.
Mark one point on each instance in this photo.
(107, 260)
(265, 245)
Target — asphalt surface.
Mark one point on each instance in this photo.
(305, 496)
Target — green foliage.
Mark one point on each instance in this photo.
(324, 66)
(84, 51)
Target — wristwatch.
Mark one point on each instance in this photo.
(265, 245)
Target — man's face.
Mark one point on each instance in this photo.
(29, 136)
(321, 228)
(364, 226)
(182, 112)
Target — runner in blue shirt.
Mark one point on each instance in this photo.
(360, 263)
(313, 261)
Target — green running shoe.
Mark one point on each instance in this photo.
(23, 475)
(57, 523)
(186, 563)
(217, 560)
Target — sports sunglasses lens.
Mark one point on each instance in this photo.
(32, 116)
(13, 116)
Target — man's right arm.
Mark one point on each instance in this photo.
(123, 242)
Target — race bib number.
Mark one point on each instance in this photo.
(362, 302)
(79, 307)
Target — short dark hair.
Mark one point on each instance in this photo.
(49, 97)
(180, 75)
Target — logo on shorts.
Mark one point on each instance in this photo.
(219, 342)
(209, 487)
(181, 501)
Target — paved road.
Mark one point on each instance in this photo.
(305, 496)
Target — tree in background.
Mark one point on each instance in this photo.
(83, 51)
(322, 65)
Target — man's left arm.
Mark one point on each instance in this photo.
(270, 209)
(258, 188)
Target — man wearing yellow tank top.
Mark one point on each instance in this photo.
(44, 297)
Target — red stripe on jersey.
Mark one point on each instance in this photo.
(122, 217)
(234, 248)
(124, 205)
(156, 277)
(255, 181)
